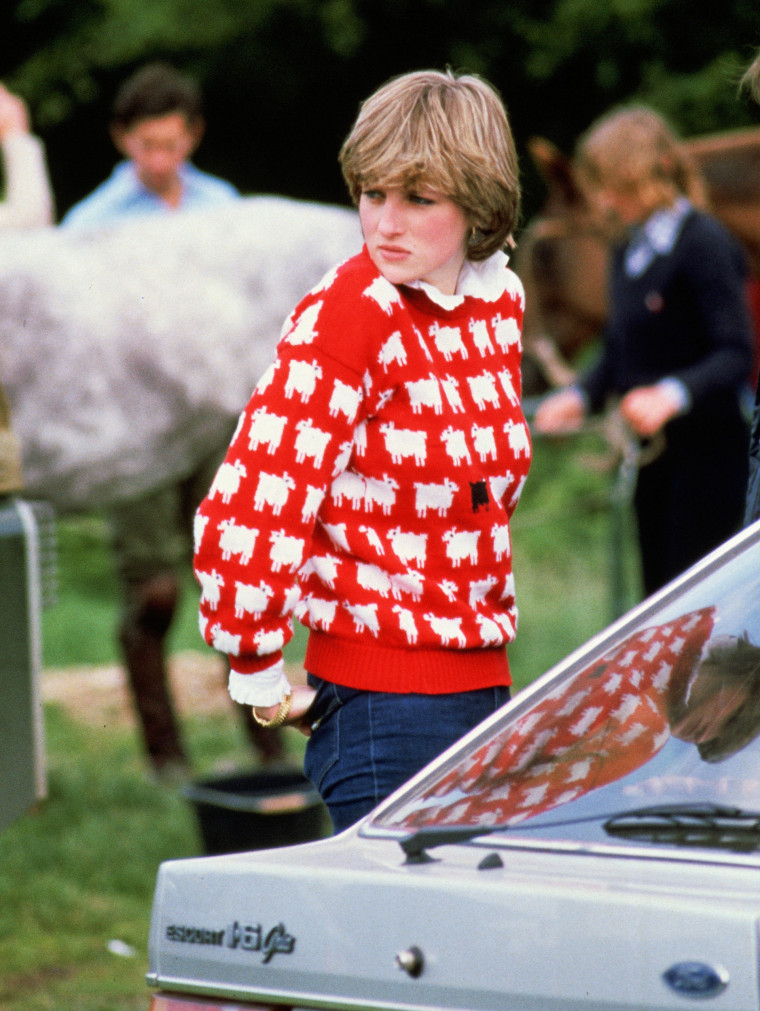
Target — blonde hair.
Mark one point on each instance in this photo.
(751, 78)
(445, 131)
(634, 150)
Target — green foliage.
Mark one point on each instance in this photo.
(283, 78)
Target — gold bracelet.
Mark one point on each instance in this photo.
(279, 717)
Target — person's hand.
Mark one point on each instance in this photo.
(647, 408)
(560, 413)
(302, 698)
(13, 115)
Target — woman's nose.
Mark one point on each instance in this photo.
(390, 222)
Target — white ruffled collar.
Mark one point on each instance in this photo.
(484, 279)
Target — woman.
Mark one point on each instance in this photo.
(371, 482)
(677, 344)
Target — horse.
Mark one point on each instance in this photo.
(128, 352)
(562, 255)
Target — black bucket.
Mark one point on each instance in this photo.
(257, 810)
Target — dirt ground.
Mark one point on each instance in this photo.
(100, 695)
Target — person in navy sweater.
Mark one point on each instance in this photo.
(677, 346)
(370, 484)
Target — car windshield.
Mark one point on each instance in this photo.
(662, 711)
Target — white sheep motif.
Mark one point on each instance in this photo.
(447, 629)
(321, 612)
(406, 623)
(302, 379)
(338, 534)
(273, 490)
(344, 400)
(383, 293)
(461, 545)
(305, 330)
(266, 428)
(237, 539)
(448, 341)
(402, 443)
(456, 445)
(312, 502)
(434, 496)
(502, 542)
(364, 616)
(481, 337)
(324, 567)
(408, 546)
(227, 480)
(380, 492)
(517, 434)
(425, 393)
(268, 641)
(199, 526)
(490, 633)
(483, 390)
(373, 578)
(311, 442)
(505, 378)
(371, 534)
(506, 331)
(392, 351)
(409, 582)
(211, 582)
(484, 442)
(250, 599)
(451, 389)
(480, 588)
(224, 641)
(350, 485)
(286, 551)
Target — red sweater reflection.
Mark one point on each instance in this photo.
(608, 721)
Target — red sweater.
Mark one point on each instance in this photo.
(374, 473)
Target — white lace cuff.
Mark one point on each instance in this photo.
(265, 688)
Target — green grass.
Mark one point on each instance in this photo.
(79, 871)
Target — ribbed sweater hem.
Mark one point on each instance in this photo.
(374, 667)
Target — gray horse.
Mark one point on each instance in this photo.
(126, 352)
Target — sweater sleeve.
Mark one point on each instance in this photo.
(29, 199)
(254, 528)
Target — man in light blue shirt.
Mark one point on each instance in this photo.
(157, 125)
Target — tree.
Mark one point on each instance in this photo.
(283, 78)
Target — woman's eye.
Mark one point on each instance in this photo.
(416, 198)
(372, 194)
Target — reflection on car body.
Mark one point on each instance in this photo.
(595, 844)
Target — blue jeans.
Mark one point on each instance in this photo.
(366, 744)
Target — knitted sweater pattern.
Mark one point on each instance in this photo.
(368, 490)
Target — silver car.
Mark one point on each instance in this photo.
(594, 845)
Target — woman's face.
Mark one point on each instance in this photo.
(620, 206)
(711, 700)
(414, 235)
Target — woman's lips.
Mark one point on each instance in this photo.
(393, 252)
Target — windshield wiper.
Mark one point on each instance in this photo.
(707, 825)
